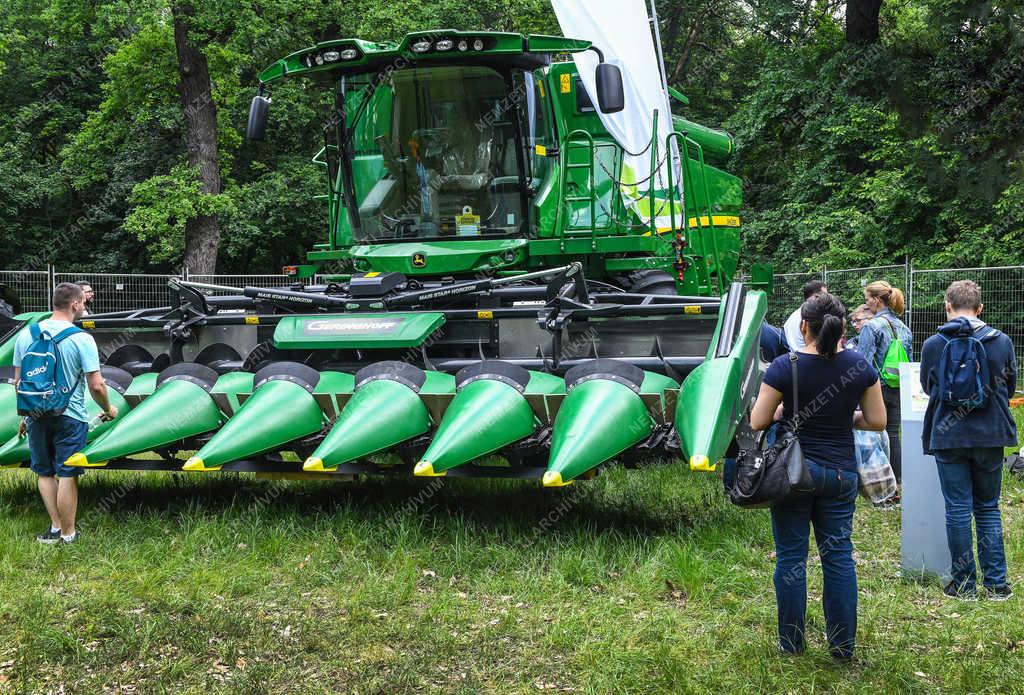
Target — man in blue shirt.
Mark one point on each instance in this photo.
(53, 440)
(968, 444)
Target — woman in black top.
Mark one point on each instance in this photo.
(832, 383)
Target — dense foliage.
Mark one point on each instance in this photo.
(852, 154)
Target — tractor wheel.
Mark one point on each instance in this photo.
(648, 282)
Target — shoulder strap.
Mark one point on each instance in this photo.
(992, 333)
(796, 396)
(891, 327)
(66, 333)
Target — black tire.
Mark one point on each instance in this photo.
(648, 282)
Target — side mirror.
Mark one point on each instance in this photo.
(610, 95)
(256, 128)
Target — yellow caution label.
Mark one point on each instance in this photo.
(565, 83)
(691, 309)
(540, 150)
(372, 274)
(485, 314)
(88, 324)
(252, 320)
(540, 88)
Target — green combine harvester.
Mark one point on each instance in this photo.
(490, 299)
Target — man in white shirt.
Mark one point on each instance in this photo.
(791, 328)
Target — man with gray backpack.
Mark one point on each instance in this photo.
(54, 361)
(969, 371)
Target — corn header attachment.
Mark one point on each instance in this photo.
(495, 296)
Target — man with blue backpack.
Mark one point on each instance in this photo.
(969, 371)
(54, 361)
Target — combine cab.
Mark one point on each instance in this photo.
(492, 298)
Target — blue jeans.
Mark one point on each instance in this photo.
(830, 510)
(971, 480)
(52, 441)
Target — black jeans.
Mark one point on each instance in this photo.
(891, 398)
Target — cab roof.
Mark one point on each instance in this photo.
(351, 56)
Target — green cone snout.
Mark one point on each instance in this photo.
(490, 411)
(384, 411)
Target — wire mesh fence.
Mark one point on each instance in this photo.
(1002, 291)
(241, 281)
(30, 289)
(787, 294)
(122, 291)
(848, 284)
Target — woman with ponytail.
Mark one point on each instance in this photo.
(875, 337)
(831, 384)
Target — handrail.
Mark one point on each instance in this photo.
(581, 139)
(686, 142)
(688, 186)
(711, 217)
(332, 196)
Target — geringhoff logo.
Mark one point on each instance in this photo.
(350, 325)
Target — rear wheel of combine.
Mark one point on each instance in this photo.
(648, 282)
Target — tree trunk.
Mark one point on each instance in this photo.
(862, 21)
(202, 233)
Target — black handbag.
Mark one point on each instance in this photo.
(778, 474)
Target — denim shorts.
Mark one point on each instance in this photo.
(52, 441)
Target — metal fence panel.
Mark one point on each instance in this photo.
(848, 284)
(122, 291)
(31, 286)
(787, 294)
(1002, 292)
(241, 281)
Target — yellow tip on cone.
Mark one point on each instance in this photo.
(194, 464)
(426, 468)
(78, 459)
(699, 462)
(313, 464)
(554, 479)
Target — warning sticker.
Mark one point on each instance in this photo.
(565, 83)
(467, 223)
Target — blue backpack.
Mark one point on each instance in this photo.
(43, 389)
(963, 375)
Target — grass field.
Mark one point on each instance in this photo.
(637, 582)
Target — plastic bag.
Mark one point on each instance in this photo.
(877, 481)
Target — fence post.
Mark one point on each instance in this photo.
(908, 269)
(51, 282)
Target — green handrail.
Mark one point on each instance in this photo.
(711, 218)
(332, 195)
(565, 164)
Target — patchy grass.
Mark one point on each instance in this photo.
(636, 582)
